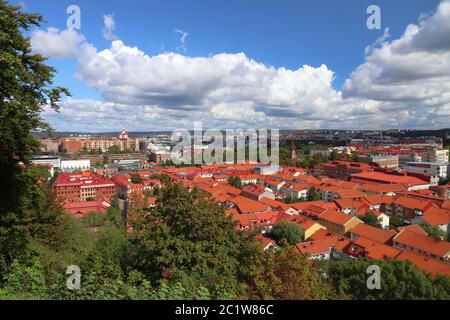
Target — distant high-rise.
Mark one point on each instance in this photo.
(123, 134)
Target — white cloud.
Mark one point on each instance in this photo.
(413, 69)
(183, 35)
(403, 81)
(54, 43)
(109, 25)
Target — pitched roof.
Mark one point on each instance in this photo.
(373, 249)
(387, 178)
(336, 217)
(436, 216)
(413, 228)
(372, 233)
(412, 203)
(246, 205)
(260, 219)
(425, 243)
(425, 263)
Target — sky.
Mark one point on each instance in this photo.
(289, 64)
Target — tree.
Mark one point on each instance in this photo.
(136, 178)
(334, 155)
(434, 232)
(313, 195)
(289, 231)
(115, 149)
(400, 280)
(25, 86)
(235, 181)
(371, 219)
(288, 275)
(395, 222)
(188, 235)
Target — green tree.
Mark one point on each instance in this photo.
(400, 280)
(287, 275)
(313, 195)
(371, 219)
(187, 233)
(395, 222)
(136, 178)
(115, 149)
(25, 87)
(235, 181)
(434, 232)
(289, 231)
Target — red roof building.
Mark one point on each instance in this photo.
(74, 187)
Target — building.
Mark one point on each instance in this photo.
(374, 177)
(424, 245)
(71, 145)
(431, 169)
(55, 162)
(115, 158)
(75, 165)
(382, 161)
(50, 145)
(257, 192)
(404, 158)
(371, 233)
(86, 186)
(340, 169)
(338, 222)
(104, 144)
(320, 150)
(159, 156)
(435, 155)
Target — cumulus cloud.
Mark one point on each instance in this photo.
(403, 82)
(124, 74)
(54, 43)
(109, 25)
(413, 69)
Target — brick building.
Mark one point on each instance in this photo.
(83, 187)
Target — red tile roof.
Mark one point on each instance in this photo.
(425, 243)
(336, 217)
(425, 263)
(372, 233)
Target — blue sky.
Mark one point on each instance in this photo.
(282, 34)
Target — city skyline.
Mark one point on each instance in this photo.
(162, 67)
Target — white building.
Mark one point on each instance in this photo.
(73, 165)
(267, 170)
(55, 162)
(431, 169)
(436, 155)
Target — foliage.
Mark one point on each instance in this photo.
(288, 275)
(114, 149)
(313, 195)
(400, 280)
(434, 232)
(136, 178)
(288, 231)
(371, 219)
(235, 181)
(395, 222)
(187, 233)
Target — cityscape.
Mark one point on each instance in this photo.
(159, 173)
